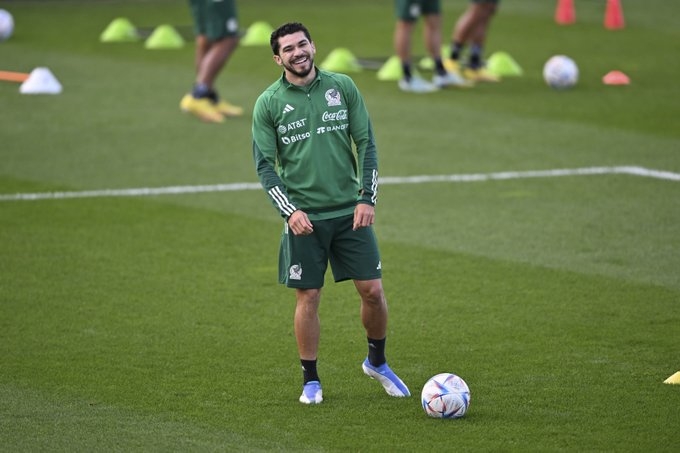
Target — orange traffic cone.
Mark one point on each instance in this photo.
(613, 16)
(565, 13)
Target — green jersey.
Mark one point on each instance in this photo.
(303, 147)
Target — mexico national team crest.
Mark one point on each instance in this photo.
(333, 97)
(295, 272)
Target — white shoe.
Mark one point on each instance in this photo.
(417, 85)
(451, 79)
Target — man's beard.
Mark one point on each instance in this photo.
(301, 74)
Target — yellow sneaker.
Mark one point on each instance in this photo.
(480, 75)
(202, 108)
(228, 109)
(451, 65)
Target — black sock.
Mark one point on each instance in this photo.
(475, 57)
(376, 351)
(200, 91)
(439, 66)
(456, 50)
(309, 370)
(212, 95)
(406, 68)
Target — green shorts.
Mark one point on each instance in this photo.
(410, 10)
(354, 255)
(215, 20)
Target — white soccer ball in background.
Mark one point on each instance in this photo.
(6, 25)
(445, 395)
(560, 72)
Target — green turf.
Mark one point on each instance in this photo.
(156, 323)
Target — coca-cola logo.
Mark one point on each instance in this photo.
(334, 116)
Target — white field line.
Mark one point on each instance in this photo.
(422, 179)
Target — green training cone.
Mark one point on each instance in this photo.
(164, 37)
(503, 65)
(391, 70)
(341, 60)
(258, 34)
(427, 63)
(119, 30)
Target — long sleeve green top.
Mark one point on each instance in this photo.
(303, 146)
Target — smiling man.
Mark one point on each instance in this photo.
(316, 158)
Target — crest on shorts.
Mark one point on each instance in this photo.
(295, 272)
(333, 97)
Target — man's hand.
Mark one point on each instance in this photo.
(364, 215)
(299, 224)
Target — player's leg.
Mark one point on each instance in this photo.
(374, 318)
(307, 328)
(201, 47)
(216, 28)
(302, 265)
(223, 32)
(354, 255)
(373, 307)
(214, 59)
(198, 102)
(408, 12)
(307, 324)
(432, 35)
(483, 12)
(442, 77)
(402, 46)
(461, 33)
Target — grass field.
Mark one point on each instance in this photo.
(155, 323)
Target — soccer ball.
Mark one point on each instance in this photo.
(6, 25)
(560, 72)
(445, 395)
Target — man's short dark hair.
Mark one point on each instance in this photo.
(284, 30)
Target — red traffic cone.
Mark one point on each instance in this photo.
(565, 13)
(613, 16)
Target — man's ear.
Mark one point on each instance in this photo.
(277, 60)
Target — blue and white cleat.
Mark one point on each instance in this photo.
(390, 381)
(311, 393)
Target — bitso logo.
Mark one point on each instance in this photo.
(295, 138)
(333, 97)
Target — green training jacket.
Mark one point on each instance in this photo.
(302, 147)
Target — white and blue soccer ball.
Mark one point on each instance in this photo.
(6, 25)
(445, 395)
(560, 72)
